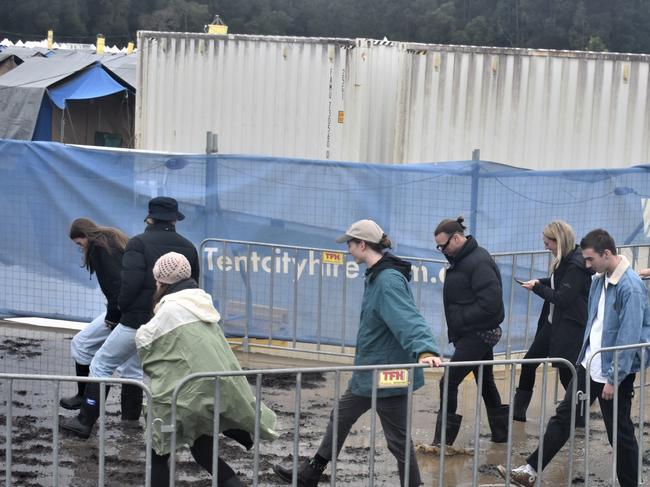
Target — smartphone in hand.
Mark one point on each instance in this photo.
(520, 281)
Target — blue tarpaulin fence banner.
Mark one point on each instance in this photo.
(286, 202)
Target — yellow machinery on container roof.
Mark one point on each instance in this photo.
(217, 26)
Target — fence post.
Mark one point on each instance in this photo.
(473, 214)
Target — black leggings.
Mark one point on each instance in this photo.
(202, 453)
(540, 348)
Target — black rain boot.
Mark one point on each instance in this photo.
(498, 420)
(309, 473)
(521, 402)
(242, 437)
(131, 401)
(74, 402)
(453, 427)
(232, 482)
(82, 424)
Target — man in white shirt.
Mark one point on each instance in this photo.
(619, 315)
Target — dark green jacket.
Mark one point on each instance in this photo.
(392, 330)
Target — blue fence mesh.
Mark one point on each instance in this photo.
(288, 202)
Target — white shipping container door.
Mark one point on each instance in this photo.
(270, 96)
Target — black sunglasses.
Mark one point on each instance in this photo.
(442, 247)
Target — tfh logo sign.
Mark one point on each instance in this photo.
(393, 378)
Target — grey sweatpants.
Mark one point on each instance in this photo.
(392, 414)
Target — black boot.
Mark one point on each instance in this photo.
(131, 402)
(231, 482)
(309, 473)
(82, 424)
(453, 427)
(522, 400)
(498, 420)
(74, 402)
(240, 436)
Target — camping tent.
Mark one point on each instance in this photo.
(68, 97)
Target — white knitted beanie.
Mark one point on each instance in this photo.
(172, 268)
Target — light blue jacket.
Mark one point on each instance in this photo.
(626, 320)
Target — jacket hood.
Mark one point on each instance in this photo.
(196, 301)
(465, 250)
(575, 258)
(390, 261)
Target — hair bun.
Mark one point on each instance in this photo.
(460, 219)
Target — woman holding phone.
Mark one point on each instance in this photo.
(561, 324)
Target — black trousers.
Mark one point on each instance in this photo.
(392, 414)
(470, 347)
(202, 453)
(540, 348)
(558, 428)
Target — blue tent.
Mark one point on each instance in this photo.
(93, 82)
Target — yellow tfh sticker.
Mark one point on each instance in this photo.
(394, 378)
(332, 258)
(341, 116)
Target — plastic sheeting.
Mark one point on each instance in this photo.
(93, 82)
(44, 186)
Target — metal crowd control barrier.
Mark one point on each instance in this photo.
(57, 379)
(260, 298)
(642, 381)
(376, 370)
(261, 276)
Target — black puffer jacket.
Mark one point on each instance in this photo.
(472, 294)
(107, 267)
(572, 282)
(138, 284)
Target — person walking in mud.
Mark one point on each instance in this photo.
(473, 302)
(102, 249)
(619, 315)
(391, 330)
(186, 319)
(137, 287)
(561, 324)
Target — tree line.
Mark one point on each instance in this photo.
(600, 25)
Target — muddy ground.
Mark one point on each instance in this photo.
(26, 351)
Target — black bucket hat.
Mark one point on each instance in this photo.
(164, 208)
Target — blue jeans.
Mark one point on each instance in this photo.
(117, 352)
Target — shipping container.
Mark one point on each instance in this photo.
(389, 102)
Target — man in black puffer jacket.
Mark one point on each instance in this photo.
(473, 301)
(135, 302)
(142, 252)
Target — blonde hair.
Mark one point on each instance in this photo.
(561, 233)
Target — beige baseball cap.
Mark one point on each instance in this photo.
(366, 230)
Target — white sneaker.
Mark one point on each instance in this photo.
(523, 476)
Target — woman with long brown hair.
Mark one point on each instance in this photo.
(102, 249)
